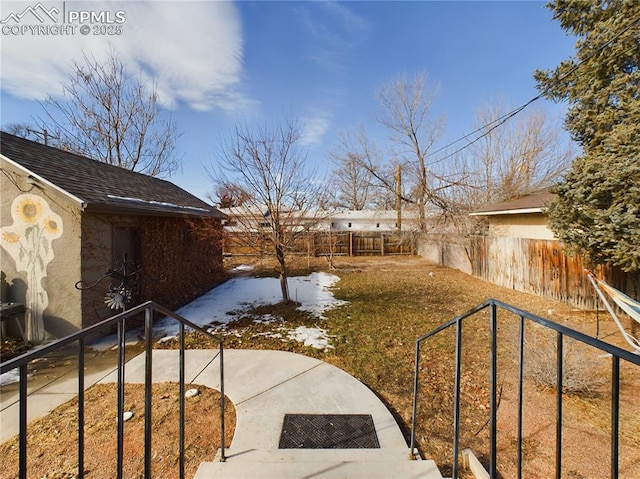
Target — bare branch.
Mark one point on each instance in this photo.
(109, 115)
(280, 197)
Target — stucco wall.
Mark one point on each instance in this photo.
(530, 226)
(445, 250)
(40, 254)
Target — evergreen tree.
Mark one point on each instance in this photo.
(597, 210)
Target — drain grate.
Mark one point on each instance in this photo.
(328, 431)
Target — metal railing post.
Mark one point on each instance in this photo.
(493, 373)
(22, 451)
(222, 452)
(181, 401)
(615, 416)
(148, 389)
(456, 404)
(81, 408)
(520, 394)
(559, 387)
(415, 400)
(120, 406)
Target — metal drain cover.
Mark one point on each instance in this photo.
(328, 431)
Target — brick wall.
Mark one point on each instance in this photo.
(181, 259)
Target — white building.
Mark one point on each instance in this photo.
(372, 221)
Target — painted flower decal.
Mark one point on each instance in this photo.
(51, 226)
(29, 242)
(29, 209)
(10, 237)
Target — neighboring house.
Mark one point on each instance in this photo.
(522, 253)
(372, 220)
(245, 218)
(254, 218)
(522, 217)
(66, 218)
(321, 232)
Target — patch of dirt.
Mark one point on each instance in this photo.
(11, 347)
(52, 440)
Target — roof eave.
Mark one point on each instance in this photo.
(520, 211)
(152, 211)
(39, 179)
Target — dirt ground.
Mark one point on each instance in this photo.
(52, 440)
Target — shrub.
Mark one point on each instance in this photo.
(581, 367)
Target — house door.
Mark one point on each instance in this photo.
(126, 242)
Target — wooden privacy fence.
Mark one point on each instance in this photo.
(342, 243)
(541, 267)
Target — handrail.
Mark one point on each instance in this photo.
(21, 362)
(493, 305)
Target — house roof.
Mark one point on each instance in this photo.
(531, 203)
(100, 187)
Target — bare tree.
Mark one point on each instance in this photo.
(108, 114)
(352, 182)
(230, 196)
(361, 179)
(268, 164)
(522, 156)
(406, 104)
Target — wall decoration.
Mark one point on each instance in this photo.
(29, 242)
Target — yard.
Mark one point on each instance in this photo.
(391, 301)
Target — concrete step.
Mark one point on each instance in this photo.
(320, 470)
(317, 455)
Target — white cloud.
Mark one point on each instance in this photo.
(350, 19)
(337, 31)
(192, 50)
(314, 127)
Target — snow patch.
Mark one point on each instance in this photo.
(314, 337)
(10, 377)
(243, 267)
(215, 309)
(225, 303)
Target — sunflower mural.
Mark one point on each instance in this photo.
(29, 242)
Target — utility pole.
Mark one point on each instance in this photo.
(399, 198)
(44, 134)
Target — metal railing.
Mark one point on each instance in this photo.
(493, 305)
(21, 362)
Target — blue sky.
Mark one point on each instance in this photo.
(217, 63)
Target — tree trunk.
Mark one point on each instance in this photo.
(283, 273)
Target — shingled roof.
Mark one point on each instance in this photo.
(531, 203)
(100, 187)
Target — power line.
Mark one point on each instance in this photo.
(492, 125)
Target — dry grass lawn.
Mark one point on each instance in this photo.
(391, 302)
